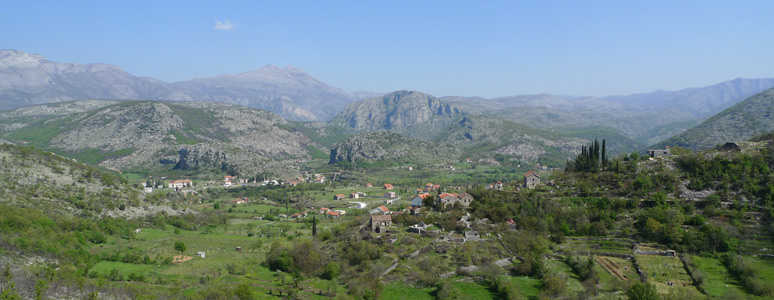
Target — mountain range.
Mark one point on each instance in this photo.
(29, 79)
(740, 122)
(197, 125)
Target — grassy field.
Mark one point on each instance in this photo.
(662, 270)
(400, 291)
(528, 286)
(717, 281)
(561, 268)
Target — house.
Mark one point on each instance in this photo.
(468, 160)
(339, 197)
(465, 199)
(332, 214)
(389, 194)
(389, 202)
(380, 210)
(410, 169)
(447, 199)
(238, 201)
(450, 168)
(361, 194)
(531, 179)
(175, 184)
(659, 152)
(388, 186)
(227, 183)
(201, 254)
(510, 221)
(319, 180)
(354, 195)
(323, 210)
(369, 185)
(148, 189)
(293, 182)
(296, 216)
(283, 216)
(417, 202)
(544, 167)
(472, 235)
(420, 228)
(498, 186)
(380, 223)
(360, 205)
(418, 191)
(340, 212)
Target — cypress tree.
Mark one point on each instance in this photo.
(314, 225)
(604, 157)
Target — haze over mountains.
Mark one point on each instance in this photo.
(29, 79)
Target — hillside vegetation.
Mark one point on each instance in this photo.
(145, 136)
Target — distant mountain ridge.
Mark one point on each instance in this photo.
(30, 79)
(753, 116)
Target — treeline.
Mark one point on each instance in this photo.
(591, 159)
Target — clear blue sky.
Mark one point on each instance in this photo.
(467, 48)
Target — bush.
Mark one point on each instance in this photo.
(332, 271)
(642, 291)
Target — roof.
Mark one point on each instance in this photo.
(340, 195)
(444, 195)
(383, 208)
(424, 196)
(531, 173)
(381, 218)
(180, 181)
(417, 201)
(332, 213)
(429, 184)
(324, 209)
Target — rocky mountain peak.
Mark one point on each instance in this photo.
(19, 59)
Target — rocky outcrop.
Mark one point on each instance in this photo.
(388, 146)
(394, 111)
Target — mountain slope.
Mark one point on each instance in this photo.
(401, 111)
(742, 121)
(701, 102)
(386, 147)
(288, 91)
(33, 178)
(160, 136)
(29, 79)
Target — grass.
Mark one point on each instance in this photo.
(662, 269)
(717, 281)
(527, 286)
(401, 291)
(474, 290)
(561, 268)
(104, 268)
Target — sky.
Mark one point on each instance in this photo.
(444, 48)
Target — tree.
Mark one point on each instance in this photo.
(244, 292)
(642, 291)
(180, 247)
(314, 225)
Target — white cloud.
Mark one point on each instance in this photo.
(225, 25)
